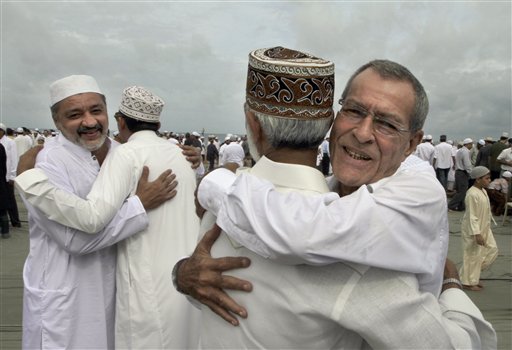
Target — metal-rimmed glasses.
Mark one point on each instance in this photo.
(381, 124)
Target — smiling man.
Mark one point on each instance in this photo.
(392, 210)
(389, 224)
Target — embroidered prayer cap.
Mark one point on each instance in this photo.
(504, 135)
(195, 133)
(489, 139)
(72, 85)
(481, 142)
(479, 171)
(141, 104)
(19, 130)
(290, 84)
(506, 174)
(467, 141)
(428, 138)
(3, 127)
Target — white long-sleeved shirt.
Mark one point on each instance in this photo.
(69, 276)
(150, 314)
(339, 306)
(398, 223)
(12, 157)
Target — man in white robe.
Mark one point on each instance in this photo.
(478, 244)
(69, 276)
(150, 314)
(343, 305)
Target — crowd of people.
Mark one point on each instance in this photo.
(136, 244)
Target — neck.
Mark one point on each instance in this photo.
(305, 157)
(101, 153)
(344, 190)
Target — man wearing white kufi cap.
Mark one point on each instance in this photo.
(23, 141)
(479, 246)
(463, 168)
(425, 150)
(150, 314)
(498, 192)
(69, 294)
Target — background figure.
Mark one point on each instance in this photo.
(498, 192)
(4, 220)
(463, 168)
(326, 159)
(478, 244)
(211, 154)
(494, 152)
(11, 164)
(443, 160)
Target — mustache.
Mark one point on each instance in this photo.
(84, 129)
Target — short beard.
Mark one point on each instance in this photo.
(90, 146)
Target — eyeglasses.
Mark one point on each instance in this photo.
(382, 125)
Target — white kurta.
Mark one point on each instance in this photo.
(339, 306)
(476, 220)
(398, 223)
(12, 157)
(69, 276)
(150, 314)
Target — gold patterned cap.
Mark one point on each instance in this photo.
(141, 104)
(290, 84)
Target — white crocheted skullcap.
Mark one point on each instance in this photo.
(72, 85)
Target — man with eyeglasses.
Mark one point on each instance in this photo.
(391, 216)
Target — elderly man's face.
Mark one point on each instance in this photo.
(360, 155)
(83, 120)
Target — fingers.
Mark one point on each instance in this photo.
(230, 282)
(222, 313)
(209, 238)
(230, 263)
(145, 174)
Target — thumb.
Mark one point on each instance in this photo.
(145, 174)
(210, 237)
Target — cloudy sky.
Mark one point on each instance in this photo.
(194, 54)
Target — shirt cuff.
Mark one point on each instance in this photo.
(213, 188)
(29, 178)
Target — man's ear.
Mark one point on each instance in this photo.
(413, 142)
(254, 126)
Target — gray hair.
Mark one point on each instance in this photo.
(395, 71)
(292, 133)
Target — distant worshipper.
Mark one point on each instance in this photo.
(69, 276)
(233, 152)
(478, 244)
(494, 152)
(444, 160)
(11, 165)
(462, 170)
(482, 158)
(498, 192)
(505, 157)
(425, 150)
(4, 219)
(356, 304)
(150, 314)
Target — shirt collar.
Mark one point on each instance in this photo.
(293, 176)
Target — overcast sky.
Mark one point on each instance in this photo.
(194, 54)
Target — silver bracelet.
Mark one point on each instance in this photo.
(452, 280)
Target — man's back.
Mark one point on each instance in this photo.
(150, 313)
(443, 155)
(333, 306)
(425, 151)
